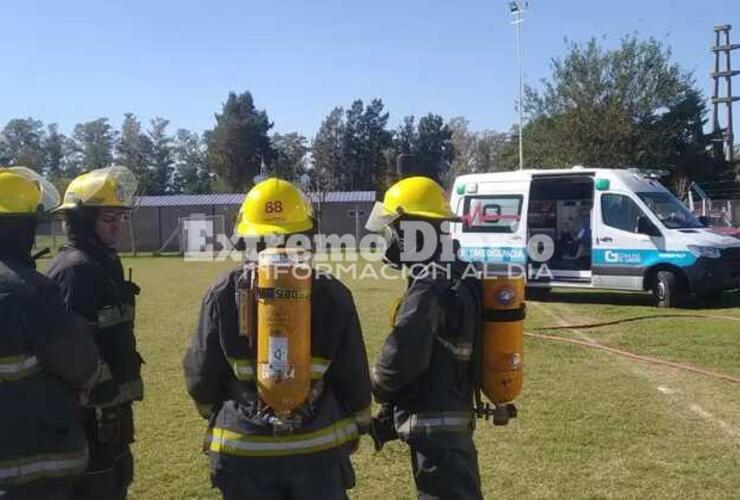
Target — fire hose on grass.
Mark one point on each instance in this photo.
(631, 355)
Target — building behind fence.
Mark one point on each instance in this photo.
(156, 223)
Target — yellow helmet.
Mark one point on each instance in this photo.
(274, 206)
(110, 187)
(24, 192)
(415, 196)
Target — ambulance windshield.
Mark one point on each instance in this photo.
(671, 212)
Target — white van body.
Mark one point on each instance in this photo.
(609, 229)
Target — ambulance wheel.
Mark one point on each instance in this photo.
(667, 289)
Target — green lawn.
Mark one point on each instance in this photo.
(704, 337)
(53, 243)
(591, 425)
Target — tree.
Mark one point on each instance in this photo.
(133, 150)
(327, 149)
(291, 150)
(631, 106)
(481, 151)
(428, 144)
(434, 149)
(239, 144)
(399, 156)
(489, 151)
(355, 146)
(21, 143)
(191, 173)
(464, 142)
(93, 143)
(677, 141)
(365, 140)
(72, 165)
(327, 159)
(160, 157)
(54, 147)
(405, 136)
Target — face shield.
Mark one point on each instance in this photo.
(111, 187)
(49, 194)
(380, 218)
(121, 179)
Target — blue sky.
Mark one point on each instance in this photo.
(73, 61)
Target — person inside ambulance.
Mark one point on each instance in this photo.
(47, 355)
(91, 278)
(424, 376)
(255, 451)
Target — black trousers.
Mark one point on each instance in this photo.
(111, 468)
(278, 481)
(446, 474)
(53, 489)
(109, 480)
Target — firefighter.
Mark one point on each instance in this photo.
(47, 356)
(253, 454)
(424, 378)
(91, 278)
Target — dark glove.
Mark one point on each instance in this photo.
(383, 428)
(124, 291)
(109, 424)
(129, 289)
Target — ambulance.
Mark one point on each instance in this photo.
(592, 228)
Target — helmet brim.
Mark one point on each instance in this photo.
(246, 229)
(72, 206)
(450, 215)
(381, 217)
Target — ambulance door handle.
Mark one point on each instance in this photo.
(516, 238)
(606, 239)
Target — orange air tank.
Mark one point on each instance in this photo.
(283, 328)
(503, 338)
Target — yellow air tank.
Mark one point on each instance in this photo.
(503, 338)
(283, 328)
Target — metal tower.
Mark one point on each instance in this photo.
(723, 138)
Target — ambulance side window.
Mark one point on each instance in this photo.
(620, 212)
(492, 213)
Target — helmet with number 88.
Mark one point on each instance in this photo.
(274, 206)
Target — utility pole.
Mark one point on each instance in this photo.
(723, 138)
(517, 9)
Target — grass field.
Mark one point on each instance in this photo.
(591, 424)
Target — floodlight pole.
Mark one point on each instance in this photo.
(517, 8)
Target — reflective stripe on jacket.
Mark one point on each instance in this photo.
(425, 366)
(17, 367)
(53, 465)
(220, 373)
(92, 283)
(431, 424)
(246, 445)
(46, 356)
